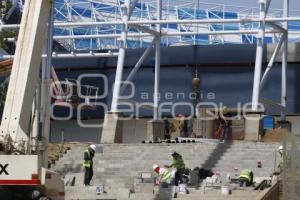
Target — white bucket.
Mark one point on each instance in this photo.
(182, 188)
(100, 189)
(225, 190)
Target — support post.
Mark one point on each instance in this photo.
(157, 65)
(155, 128)
(271, 62)
(112, 128)
(121, 58)
(284, 60)
(253, 118)
(138, 65)
(259, 56)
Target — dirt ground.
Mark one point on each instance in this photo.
(275, 135)
(55, 151)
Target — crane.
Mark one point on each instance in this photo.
(23, 142)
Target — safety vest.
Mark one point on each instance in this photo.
(178, 163)
(245, 173)
(87, 163)
(279, 162)
(166, 176)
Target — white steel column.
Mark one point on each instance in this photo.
(284, 59)
(138, 65)
(157, 64)
(259, 55)
(121, 58)
(271, 62)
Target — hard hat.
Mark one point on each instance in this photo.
(154, 167)
(280, 148)
(174, 154)
(92, 146)
(225, 110)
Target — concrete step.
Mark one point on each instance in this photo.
(117, 166)
(90, 193)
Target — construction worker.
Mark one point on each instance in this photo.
(179, 165)
(279, 159)
(88, 164)
(183, 128)
(225, 124)
(167, 125)
(164, 176)
(246, 177)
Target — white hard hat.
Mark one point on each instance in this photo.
(92, 146)
(280, 148)
(154, 167)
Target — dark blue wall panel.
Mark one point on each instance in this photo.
(230, 85)
(226, 70)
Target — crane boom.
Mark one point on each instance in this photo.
(25, 71)
(28, 172)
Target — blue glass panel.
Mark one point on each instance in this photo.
(294, 26)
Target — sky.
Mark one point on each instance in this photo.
(294, 4)
(229, 4)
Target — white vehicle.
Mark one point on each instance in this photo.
(24, 130)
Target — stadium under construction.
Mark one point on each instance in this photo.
(142, 80)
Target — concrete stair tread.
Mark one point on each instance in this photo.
(117, 165)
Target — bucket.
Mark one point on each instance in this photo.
(259, 164)
(100, 189)
(225, 190)
(166, 192)
(182, 188)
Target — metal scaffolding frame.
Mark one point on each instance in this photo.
(127, 20)
(263, 22)
(96, 24)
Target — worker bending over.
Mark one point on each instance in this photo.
(88, 164)
(246, 177)
(225, 124)
(164, 176)
(179, 165)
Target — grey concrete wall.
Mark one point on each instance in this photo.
(73, 132)
(134, 131)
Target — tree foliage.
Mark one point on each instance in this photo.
(5, 6)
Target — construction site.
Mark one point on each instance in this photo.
(149, 100)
